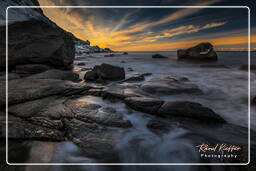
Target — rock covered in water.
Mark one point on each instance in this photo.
(158, 56)
(202, 51)
(157, 125)
(105, 72)
(169, 85)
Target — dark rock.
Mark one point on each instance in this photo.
(37, 42)
(11, 76)
(144, 104)
(81, 64)
(79, 108)
(29, 69)
(105, 72)
(254, 100)
(137, 77)
(91, 76)
(245, 67)
(21, 129)
(125, 53)
(109, 55)
(98, 148)
(202, 51)
(189, 110)
(121, 91)
(129, 69)
(56, 74)
(169, 85)
(22, 90)
(158, 56)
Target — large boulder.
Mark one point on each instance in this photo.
(34, 39)
(105, 72)
(202, 51)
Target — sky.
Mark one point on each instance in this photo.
(154, 29)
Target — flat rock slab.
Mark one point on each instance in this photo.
(56, 74)
(22, 129)
(27, 89)
(168, 86)
(144, 104)
(60, 107)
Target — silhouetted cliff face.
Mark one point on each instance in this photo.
(33, 38)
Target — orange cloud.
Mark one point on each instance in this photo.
(165, 46)
(117, 39)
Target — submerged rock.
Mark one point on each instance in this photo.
(105, 72)
(157, 125)
(202, 51)
(158, 56)
(169, 85)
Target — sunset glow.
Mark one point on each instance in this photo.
(168, 32)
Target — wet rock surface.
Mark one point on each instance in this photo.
(169, 85)
(190, 110)
(202, 51)
(57, 74)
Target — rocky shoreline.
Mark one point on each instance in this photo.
(49, 102)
